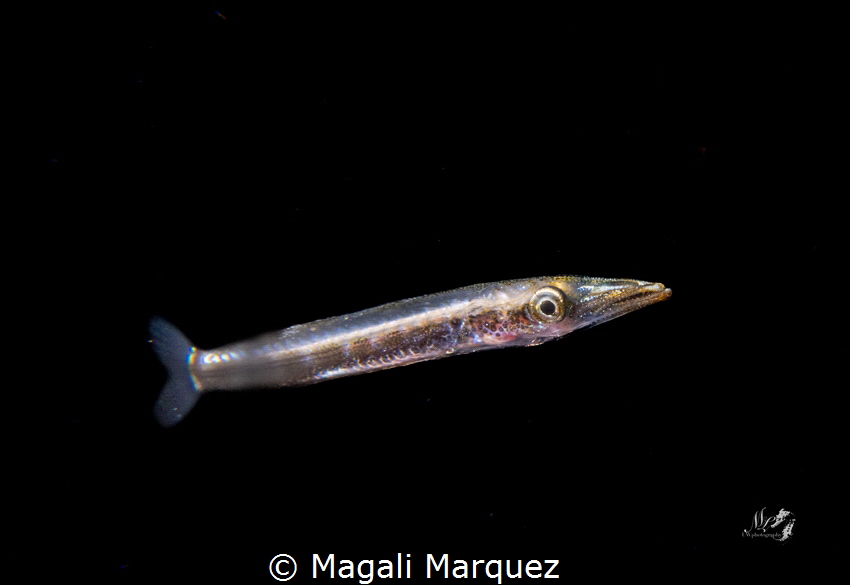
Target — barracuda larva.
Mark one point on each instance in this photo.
(509, 313)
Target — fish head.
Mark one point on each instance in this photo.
(567, 303)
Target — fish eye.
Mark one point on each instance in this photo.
(548, 305)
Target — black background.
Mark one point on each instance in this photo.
(243, 171)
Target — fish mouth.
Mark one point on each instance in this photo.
(601, 303)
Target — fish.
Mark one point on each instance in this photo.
(509, 313)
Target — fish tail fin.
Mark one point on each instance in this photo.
(179, 394)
